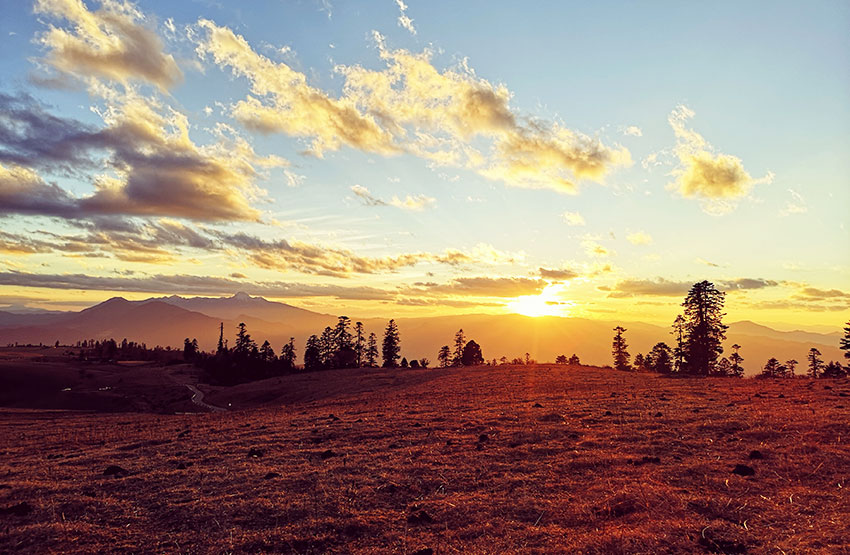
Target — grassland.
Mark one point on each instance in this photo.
(540, 459)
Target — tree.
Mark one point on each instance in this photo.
(313, 354)
(574, 360)
(833, 370)
(443, 356)
(327, 346)
(679, 351)
(724, 368)
(221, 347)
(414, 363)
(618, 350)
(358, 343)
(244, 343)
(791, 365)
(815, 363)
(287, 354)
(503, 360)
(661, 358)
(391, 346)
(561, 359)
(736, 359)
(844, 342)
(460, 342)
(424, 362)
(267, 353)
(639, 362)
(472, 354)
(404, 362)
(527, 359)
(771, 368)
(190, 349)
(372, 351)
(704, 328)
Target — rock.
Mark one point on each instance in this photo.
(483, 437)
(333, 417)
(658, 415)
(743, 470)
(608, 413)
(424, 551)
(271, 475)
(255, 452)
(115, 470)
(650, 460)
(756, 454)
(537, 406)
(21, 509)
(328, 454)
(723, 537)
(184, 465)
(420, 517)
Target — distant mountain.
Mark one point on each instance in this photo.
(168, 320)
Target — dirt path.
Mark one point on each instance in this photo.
(198, 399)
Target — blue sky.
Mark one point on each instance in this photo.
(582, 159)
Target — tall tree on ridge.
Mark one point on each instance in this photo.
(391, 346)
(679, 350)
(704, 328)
(444, 356)
(460, 341)
(815, 363)
(618, 350)
(736, 359)
(371, 354)
(358, 343)
(844, 342)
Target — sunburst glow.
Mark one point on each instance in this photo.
(547, 303)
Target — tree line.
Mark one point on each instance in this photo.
(699, 333)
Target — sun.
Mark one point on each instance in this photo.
(546, 303)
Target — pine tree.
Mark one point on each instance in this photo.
(574, 360)
(844, 342)
(736, 359)
(618, 350)
(704, 328)
(287, 354)
(244, 344)
(724, 368)
(561, 359)
(313, 354)
(639, 362)
(220, 349)
(327, 346)
(267, 353)
(661, 358)
(815, 363)
(472, 354)
(460, 341)
(679, 351)
(392, 345)
(372, 351)
(358, 343)
(791, 365)
(443, 356)
(771, 368)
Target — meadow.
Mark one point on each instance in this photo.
(537, 459)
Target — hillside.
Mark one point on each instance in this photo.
(529, 460)
(169, 320)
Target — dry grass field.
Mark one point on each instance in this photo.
(540, 459)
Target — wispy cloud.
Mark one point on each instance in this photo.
(403, 19)
(639, 238)
(574, 218)
(415, 202)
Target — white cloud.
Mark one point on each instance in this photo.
(573, 218)
(633, 130)
(403, 19)
(639, 238)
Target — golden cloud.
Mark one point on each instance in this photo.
(111, 43)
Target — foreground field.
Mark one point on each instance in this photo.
(476, 460)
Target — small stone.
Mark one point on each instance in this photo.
(327, 454)
(271, 475)
(420, 517)
(115, 470)
(255, 453)
(537, 406)
(483, 437)
(743, 470)
(756, 454)
(21, 509)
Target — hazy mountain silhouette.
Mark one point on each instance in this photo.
(168, 320)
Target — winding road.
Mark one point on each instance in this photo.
(198, 399)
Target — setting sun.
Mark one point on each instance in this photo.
(546, 303)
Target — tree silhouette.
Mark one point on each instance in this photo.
(527, 359)
(815, 363)
(679, 351)
(443, 356)
(704, 328)
(723, 368)
(844, 342)
(190, 349)
(460, 342)
(771, 368)
(267, 353)
(833, 370)
(661, 358)
(574, 360)
(359, 346)
(472, 354)
(372, 351)
(639, 362)
(561, 359)
(618, 350)
(404, 363)
(313, 354)
(392, 345)
(244, 343)
(736, 359)
(287, 354)
(791, 365)
(220, 348)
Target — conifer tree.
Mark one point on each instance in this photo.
(815, 363)
(443, 356)
(391, 345)
(460, 341)
(359, 345)
(372, 351)
(844, 342)
(704, 328)
(618, 350)
(736, 359)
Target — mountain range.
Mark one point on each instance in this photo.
(168, 320)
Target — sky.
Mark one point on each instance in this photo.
(385, 158)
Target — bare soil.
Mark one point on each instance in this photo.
(541, 459)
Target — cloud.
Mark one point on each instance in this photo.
(795, 206)
(416, 202)
(284, 102)
(717, 179)
(559, 275)
(403, 19)
(182, 284)
(484, 287)
(633, 131)
(639, 238)
(155, 168)
(593, 248)
(668, 288)
(445, 117)
(815, 293)
(573, 218)
(111, 43)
